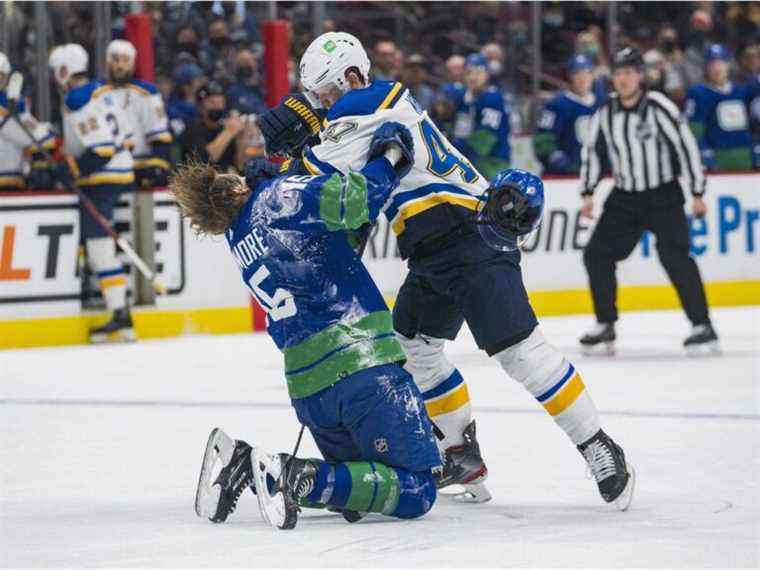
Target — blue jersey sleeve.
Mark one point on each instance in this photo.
(548, 128)
(697, 111)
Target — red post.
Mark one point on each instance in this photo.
(276, 53)
(139, 31)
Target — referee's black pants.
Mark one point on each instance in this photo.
(625, 217)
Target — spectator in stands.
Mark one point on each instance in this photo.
(449, 96)
(563, 123)
(182, 106)
(748, 59)
(214, 137)
(386, 61)
(244, 95)
(186, 40)
(676, 74)
(586, 43)
(455, 70)
(718, 115)
(415, 78)
(481, 126)
(218, 53)
(655, 70)
(495, 57)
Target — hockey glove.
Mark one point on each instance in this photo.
(260, 170)
(290, 126)
(392, 133)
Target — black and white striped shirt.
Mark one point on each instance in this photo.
(648, 145)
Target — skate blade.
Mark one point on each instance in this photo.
(275, 509)
(711, 348)
(601, 349)
(467, 493)
(218, 453)
(124, 335)
(626, 497)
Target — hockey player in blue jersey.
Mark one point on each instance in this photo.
(717, 113)
(454, 274)
(563, 122)
(288, 235)
(481, 122)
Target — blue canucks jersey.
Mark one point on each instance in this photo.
(481, 130)
(324, 312)
(720, 123)
(561, 130)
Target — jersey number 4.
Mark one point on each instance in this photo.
(442, 161)
(281, 305)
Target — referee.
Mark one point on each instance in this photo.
(649, 145)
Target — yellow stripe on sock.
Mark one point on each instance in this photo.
(448, 403)
(566, 397)
(114, 281)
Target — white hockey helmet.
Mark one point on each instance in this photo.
(121, 47)
(325, 61)
(68, 60)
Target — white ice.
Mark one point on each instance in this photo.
(101, 448)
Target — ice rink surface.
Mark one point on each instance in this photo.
(102, 447)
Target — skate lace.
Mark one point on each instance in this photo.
(601, 462)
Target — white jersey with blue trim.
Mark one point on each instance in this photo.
(93, 122)
(440, 192)
(143, 107)
(15, 144)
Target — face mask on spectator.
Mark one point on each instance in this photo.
(220, 41)
(669, 46)
(494, 67)
(245, 73)
(215, 115)
(189, 47)
(591, 50)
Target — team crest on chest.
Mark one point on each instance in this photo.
(339, 130)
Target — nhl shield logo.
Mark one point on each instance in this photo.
(644, 131)
(381, 445)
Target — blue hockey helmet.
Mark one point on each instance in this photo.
(476, 60)
(579, 62)
(513, 208)
(717, 51)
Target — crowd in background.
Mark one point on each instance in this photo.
(209, 54)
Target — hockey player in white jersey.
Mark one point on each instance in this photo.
(16, 149)
(143, 106)
(454, 275)
(96, 137)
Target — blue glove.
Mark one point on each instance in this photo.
(393, 133)
(260, 170)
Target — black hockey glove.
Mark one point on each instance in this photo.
(259, 170)
(392, 133)
(290, 126)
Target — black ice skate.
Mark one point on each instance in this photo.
(602, 335)
(118, 329)
(293, 479)
(225, 473)
(614, 476)
(463, 465)
(702, 340)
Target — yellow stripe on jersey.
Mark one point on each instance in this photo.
(310, 167)
(566, 396)
(104, 151)
(100, 90)
(11, 182)
(448, 403)
(107, 178)
(163, 137)
(148, 162)
(411, 209)
(387, 101)
(139, 89)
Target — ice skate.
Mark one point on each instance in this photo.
(225, 473)
(118, 329)
(464, 468)
(599, 340)
(703, 340)
(615, 477)
(281, 480)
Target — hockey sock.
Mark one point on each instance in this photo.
(101, 252)
(448, 405)
(368, 487)
(555, 383)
